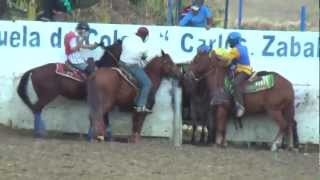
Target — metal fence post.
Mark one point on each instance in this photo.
(170, 13)
(240, 13)
(303, 12)
(226, 12)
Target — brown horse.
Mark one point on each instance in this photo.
(108, 88)
(277, 101)
(48, 84)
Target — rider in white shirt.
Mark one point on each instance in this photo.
(134, 53)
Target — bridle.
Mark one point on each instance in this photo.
(193, 76)
(114, 59)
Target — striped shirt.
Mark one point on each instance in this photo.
(75, 57)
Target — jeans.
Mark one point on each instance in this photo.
(81, 66)
(143, 80)
(240, 77)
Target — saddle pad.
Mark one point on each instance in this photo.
(126, 76)
(266, 82)
(263, 83)
(66, 71)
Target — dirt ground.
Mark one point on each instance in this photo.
(71, 157)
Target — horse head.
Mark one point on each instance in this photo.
(198, 67)
(165, 65)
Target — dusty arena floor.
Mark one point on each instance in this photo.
(63, 157)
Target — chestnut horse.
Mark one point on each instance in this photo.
(108, 88)
(48, 84)
(277, 101)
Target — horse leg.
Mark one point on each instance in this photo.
(39, 125)
(202, 136)
(193, 136)
(108, 127)
(97, 126)
(283, 126)
(209, 123)
(97, 117)
(137, 123)
(193, 116)
(292, 126)
(221, 114)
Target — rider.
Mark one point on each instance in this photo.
(132, 58)
(239, 58)
(74, 42)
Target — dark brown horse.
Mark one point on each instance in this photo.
(48, 84)
(108, 88)
(277, 101)
(200, 112)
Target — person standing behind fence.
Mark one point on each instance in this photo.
(199, 16)
(56, 10)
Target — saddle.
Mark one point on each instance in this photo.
(67, 70)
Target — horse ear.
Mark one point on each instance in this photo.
(162, 52)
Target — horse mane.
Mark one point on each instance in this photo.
(109, 59)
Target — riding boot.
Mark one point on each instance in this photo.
(238, 94)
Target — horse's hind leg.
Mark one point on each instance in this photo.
(137, 124)
(221, 115)
(97, 126)
(108, 126)
(39, 125)
(292, 127)
(283, 126)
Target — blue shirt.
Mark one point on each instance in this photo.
(198, 20)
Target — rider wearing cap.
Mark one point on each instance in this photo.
(238, 56)
(132, 58)
(74, 42)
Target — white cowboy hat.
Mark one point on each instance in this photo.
(195, 7)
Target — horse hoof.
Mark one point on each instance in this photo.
(274, 148)
(134, 140)
(100, 138)
(40, 134)
(292, 149)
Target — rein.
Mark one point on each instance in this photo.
(203, 76)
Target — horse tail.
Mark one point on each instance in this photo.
(289, 113)
(22, 89)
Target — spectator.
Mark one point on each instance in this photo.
(199, 15)
(54, 9)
